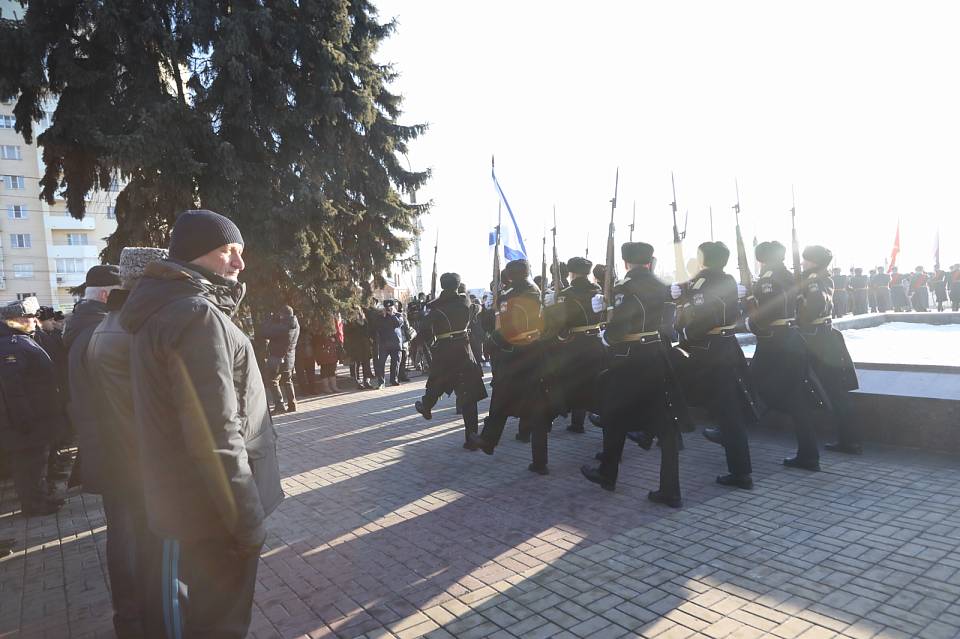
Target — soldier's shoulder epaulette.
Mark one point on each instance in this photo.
(813, 276)
(622, 281)
(699, 283)
(766, 275)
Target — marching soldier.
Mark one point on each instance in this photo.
(898, 294)
(939, 286)
(780, 370)
(446, 327)
(715, 375)
(858, 284)
(518, 389)
(881, 286)
(828, 352)
(954, 287)
(841, 297)
(919, 295)
(579, 356)
(639, 390)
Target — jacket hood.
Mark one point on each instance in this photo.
(85, 314)
(168, 281)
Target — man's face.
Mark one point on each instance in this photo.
(226, 261)
(390, 310)
(47, 325)
(23, 324)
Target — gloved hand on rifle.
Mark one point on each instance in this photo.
(675, 291)
(597, 303)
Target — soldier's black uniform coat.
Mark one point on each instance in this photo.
(640, 390)
(715, 372)
(453, 368)
(859, 293)
(829, 356)
(575, 359)
(781, 371)
(841, 296)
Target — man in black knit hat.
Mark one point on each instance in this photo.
(209, 461)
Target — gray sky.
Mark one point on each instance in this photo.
(854, 103)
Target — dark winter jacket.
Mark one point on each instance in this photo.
(208, 446)
(85, 407)
(282, 333)
(113, 438)
(31, 414)
(389, 332)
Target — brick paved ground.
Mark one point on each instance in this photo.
(391, 529)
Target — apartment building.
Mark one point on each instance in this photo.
(43, 250)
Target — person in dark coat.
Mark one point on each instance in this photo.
(305, 363)
(31, 417)
(881, 286)
(858, 284)
(898, 293)
(476, 330)
(388, 331)
(114, 471)
(328, 350)
(358, 346)
(282, 332)
(780, 370)
(577, 357)
(715, 371)
(938, 284)
(828, 351)
(919, 294)
(518, 388)
(208, 445)
(953, 280)
(50, 336)
(639, 390)
(454, 369)
(841, 296)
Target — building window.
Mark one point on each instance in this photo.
(111, 212)
(16, 211)
(10, 152)
(23, 296)
(13, 181)
(20, 240)
(21, 271)
(70, 265)
(7, 121)
(76, 239)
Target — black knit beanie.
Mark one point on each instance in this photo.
(196, 233)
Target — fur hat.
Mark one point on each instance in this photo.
(134, 260)
(767, 252)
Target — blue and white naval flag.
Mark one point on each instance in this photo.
(510, 236)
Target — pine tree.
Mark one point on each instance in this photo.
(275, 114)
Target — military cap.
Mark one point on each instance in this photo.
(767, 252)
(517, 270)
(819, 255)
(27, 307)
(103, 275)
(715, 254)
(389, 303)
(579, 265)
(636, 252)
(449, 281)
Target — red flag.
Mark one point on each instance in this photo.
(896, 249)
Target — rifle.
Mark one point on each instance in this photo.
(433, 276)
(586, 252)
(711, 222)
(557, 283)
(495, 293)
(797, 275)
(743, 264)
(543, 269)
(633, 222)
(609, 277)
(680, 267)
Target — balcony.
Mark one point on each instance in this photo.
(68, 223)
(84, 251)
(70, 279)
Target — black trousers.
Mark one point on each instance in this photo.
(26, 469)
(536, 426)
(804, 424)
(133, 565)
(468, 410)
(733, 432)
(578, 417)
(306, 375)
(847, 433)
(613, 441)
(363, 367)
(207, 589)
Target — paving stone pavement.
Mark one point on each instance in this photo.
(391, 529)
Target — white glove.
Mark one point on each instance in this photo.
(597, 303)
(675, 291)
(488, 301)
(603, 337)
(741, 291)
(746, 323)
(550, 299)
